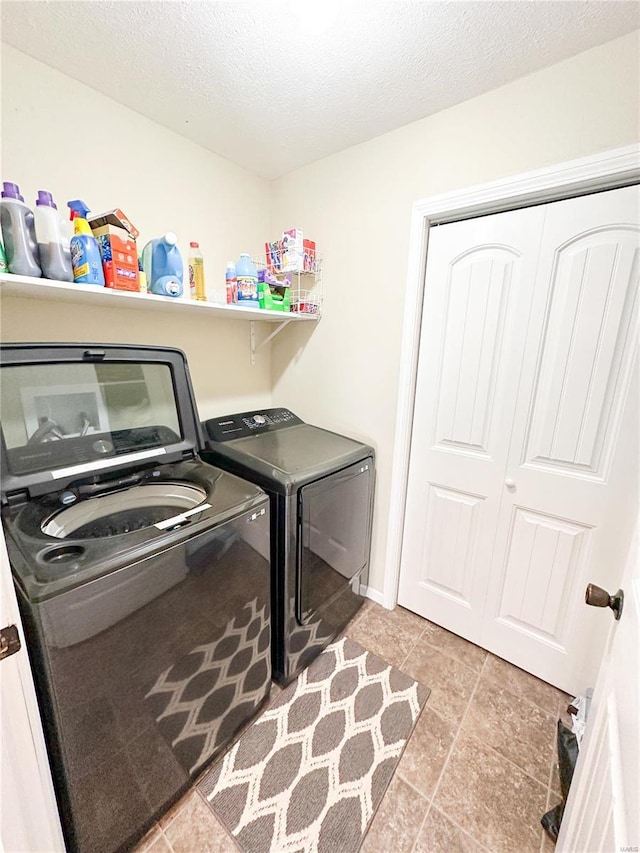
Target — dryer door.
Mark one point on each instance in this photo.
(334, 535)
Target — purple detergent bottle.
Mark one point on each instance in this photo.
(53, 245)
(18, 232)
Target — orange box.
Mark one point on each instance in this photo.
(116, 238)
(119, 259)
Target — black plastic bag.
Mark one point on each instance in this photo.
(567, 757)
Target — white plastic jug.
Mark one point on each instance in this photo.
(53, 244)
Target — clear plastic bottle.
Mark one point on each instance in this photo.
(247, 278)
(231, 283)
(53, 244)
(196, 273)
(18, 232)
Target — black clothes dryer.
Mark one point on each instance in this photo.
(142, 576)
(321, 488)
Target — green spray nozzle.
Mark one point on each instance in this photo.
(78, 208)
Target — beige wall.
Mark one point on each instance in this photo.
(357, 206)
(60, 135)
(342, 373)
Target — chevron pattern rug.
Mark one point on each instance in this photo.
(311, 772)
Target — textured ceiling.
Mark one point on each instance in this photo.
(249, 81)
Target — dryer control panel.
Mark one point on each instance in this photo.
(249, 423)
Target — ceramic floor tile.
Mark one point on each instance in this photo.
(510, 677)
(174, 810)
(149, 839)
(159, 845)
(490, 799)
(426, 752)
(546, 844)
(397, 822)
(367, 605)
(514, 727)
(439, 835)
(454, 646)
(195, 829)
(450, 681)
(389, 634)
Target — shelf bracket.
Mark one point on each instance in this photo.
(252, 338)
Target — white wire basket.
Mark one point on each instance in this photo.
(303, 273)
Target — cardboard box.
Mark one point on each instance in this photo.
(293, 250)
(273, 294)
(113, 217)
(119, 261)
(116, 237)
(273, 255)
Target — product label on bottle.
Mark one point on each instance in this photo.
(247, 288)
(81, 271)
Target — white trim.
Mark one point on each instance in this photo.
(606, 170)
(30, 819)
(373, 594)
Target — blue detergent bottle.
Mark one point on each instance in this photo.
(247, 282)
(86, 259)
(162, 264)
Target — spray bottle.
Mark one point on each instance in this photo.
(85, 252)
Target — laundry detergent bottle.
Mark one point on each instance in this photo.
(162, 263)
(86, 259)
(53, 244)
(18, 232)
(247, 282)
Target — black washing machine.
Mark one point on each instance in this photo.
(321, 488)
(142, 575)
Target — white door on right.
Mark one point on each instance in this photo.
(508, 509)
(603, 808)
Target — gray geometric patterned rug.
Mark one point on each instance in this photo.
(311, 772)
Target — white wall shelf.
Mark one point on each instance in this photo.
(62, 291)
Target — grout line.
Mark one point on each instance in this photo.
(551, 773)
(412, 649)
(169, 844)
(461, 829)
(455, 737)
(508, 760)
(445, 653)
(420, 793)
(421, 827)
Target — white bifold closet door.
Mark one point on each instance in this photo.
(523, 476)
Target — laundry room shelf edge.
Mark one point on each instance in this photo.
(42, 288)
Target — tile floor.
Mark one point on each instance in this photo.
(479, 769)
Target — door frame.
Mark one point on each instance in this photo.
(607, 170)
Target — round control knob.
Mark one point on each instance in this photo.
(259, 419)
(510, 483)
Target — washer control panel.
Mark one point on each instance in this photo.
(249, 423)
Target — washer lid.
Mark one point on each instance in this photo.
(71, 410)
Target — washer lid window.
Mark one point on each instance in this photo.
(70, 409)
